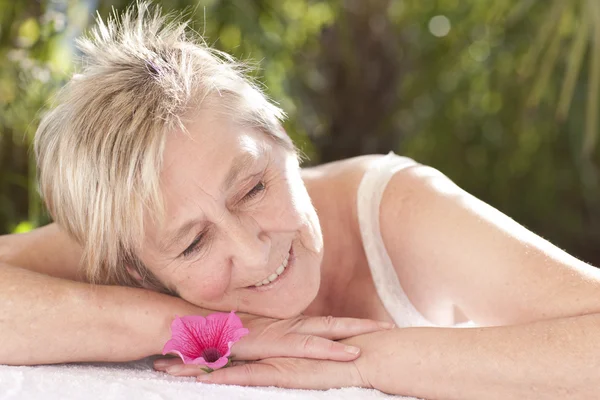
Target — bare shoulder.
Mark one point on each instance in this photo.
(341, 180)
(343, 168)
(346, 174)
(404, 194)
(335, 184)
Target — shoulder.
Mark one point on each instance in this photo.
(411, 178)
(348, 172)
(413, 205)
(333, 189)
(336, 183)
(410, 200)
(342, 168)
(340, 180)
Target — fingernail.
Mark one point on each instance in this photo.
(387, 325)
(352, 350)
(203, 378)
(174, 369)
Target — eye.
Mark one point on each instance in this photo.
(199, 240)
(260, 186)
(194, 246)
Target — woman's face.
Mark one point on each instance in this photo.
(237, 214)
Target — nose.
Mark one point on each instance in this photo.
(250, 246)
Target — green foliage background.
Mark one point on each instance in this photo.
(501, 95)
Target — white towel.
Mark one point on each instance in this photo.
(137, 380)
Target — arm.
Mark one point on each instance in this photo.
(448, 249)
(47, 250)
(467, 254)
(542, 360)
(454, 250)
(48, 319)
(44, 319)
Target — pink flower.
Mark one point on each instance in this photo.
(205, 341)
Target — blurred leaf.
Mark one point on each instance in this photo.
(546, 66)
(368, 76)
(544, 33)
(591, 128)
(574, 61)
(230, 36)
(519, 10)
(29, 32)
(23, 227)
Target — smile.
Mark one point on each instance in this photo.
(277, 273)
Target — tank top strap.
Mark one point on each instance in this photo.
(387, 284)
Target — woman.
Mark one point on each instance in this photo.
(166, 170)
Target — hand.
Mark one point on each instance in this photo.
(293, 373)
(300, 337)
(284, 372)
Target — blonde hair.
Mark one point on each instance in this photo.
(99, 151)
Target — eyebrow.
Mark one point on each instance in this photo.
(240, 164)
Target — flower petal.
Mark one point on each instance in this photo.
(221, 362)
(186, 340)
(233, 332)
(192, 335)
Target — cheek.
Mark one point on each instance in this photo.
(298, 195)
(202, 281)
(306, 213)
(280, 210)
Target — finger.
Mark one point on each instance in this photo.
(293, 374)
(310, 346)
(161, 364)
(246, 375)
(185, 370)
(338, 328)
(301, 346)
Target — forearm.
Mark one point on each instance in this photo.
(47, 250)
(543, 360)
(50, 320)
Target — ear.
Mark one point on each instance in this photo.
(135, 274)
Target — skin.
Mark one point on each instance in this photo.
(457, 257)
(248, 227)
(246, 237)
(31, 280)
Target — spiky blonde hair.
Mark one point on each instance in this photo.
(99, 150)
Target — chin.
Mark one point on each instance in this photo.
(294, 309)
(292, 293)
(292, 302)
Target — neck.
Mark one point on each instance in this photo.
(337, 267)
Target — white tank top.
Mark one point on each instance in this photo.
(387, 284)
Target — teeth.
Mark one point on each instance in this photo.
(278, 272)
